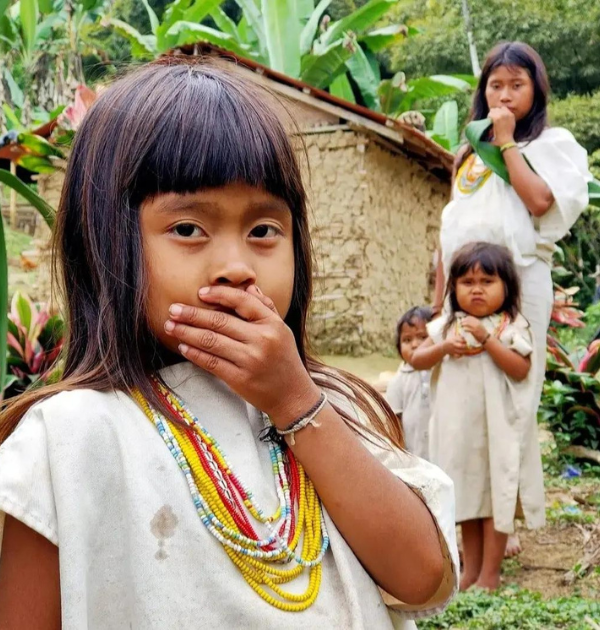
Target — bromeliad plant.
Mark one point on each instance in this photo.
(35, 339)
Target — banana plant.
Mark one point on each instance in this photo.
(446, 130)
(181, 25)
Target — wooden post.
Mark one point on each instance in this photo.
(13, 198)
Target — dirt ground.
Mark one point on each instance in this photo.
(572, 507)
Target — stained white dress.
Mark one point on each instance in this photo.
(485, 208)
(89, 472)
(483, 434)
(408, 396)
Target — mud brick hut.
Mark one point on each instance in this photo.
(377, 187)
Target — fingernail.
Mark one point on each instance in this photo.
(183, 348)
(169, 326)
(204, 291)
(176, 309)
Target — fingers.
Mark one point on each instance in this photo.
(208, 341)
(221, 368)
(267, 301)
(245, 303)
(209, 320)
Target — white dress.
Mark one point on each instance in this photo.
(89, 472)
(482, 432)
(485, 208)
(408, 396)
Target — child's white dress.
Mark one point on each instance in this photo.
(408, 395)
(482, 432)
(89, 472)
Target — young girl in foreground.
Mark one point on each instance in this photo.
(408, 391)
(482, 432)
(137, 492)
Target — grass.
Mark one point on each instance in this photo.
(512, 608)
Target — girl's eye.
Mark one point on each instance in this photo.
(188, 230)
(264, 231)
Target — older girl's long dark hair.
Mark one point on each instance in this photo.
(172, 126)
(493, 260)
(514, 55)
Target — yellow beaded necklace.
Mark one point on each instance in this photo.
(215, 489)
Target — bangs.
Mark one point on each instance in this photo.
(194, 127)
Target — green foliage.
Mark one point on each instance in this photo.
(570, 403)
(512, 608)
(580, 114)
(35, 338)
(564, 32)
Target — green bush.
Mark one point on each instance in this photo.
(512, 608)
(581, 116)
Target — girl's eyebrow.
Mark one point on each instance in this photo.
(209, 207)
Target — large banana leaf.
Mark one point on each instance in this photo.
(254, 21)
(445, 126)
(492, 157)
(384, 37)
(16, 94)
(320, 70)
(341, 88)
(201, 9)
(310, 28)
(3, 6)
(190, 33)
(3, 306)
(29, 13)
(358, 21)
(154, 22)
(12, 181)
(368, 82)
(224, 22)
(142, 46)
(282, 27)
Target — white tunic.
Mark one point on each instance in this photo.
(89, 472)
(485, 208)
(408, 396)
(483, 434)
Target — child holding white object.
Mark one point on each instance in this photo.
(408, 391)
(482, 432)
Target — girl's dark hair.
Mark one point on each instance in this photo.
(176, 125)
(514, 55)
(411, 317)
(493, 260)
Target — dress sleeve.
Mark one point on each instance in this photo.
(435, 328)
(562, 163)
(436, 490)
(394, 394)
(26, 491)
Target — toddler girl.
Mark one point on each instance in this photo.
(408, 391)
(482, 432)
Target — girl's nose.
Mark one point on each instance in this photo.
(232, 271)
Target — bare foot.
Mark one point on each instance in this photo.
(513, 546)
(488, 583)
(466, 581)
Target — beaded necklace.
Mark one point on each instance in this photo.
(498, 330)
(225, 506)
(472, 175)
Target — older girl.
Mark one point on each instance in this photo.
(136, 493)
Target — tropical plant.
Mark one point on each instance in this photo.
(35, 339)
(294, 37)
(570, 403)
(446, 130)
(397, 95)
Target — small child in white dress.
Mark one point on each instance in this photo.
(482, 432)
(408, 391)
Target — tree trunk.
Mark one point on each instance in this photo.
(472, 47)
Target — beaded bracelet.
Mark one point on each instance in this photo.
(305, 420)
